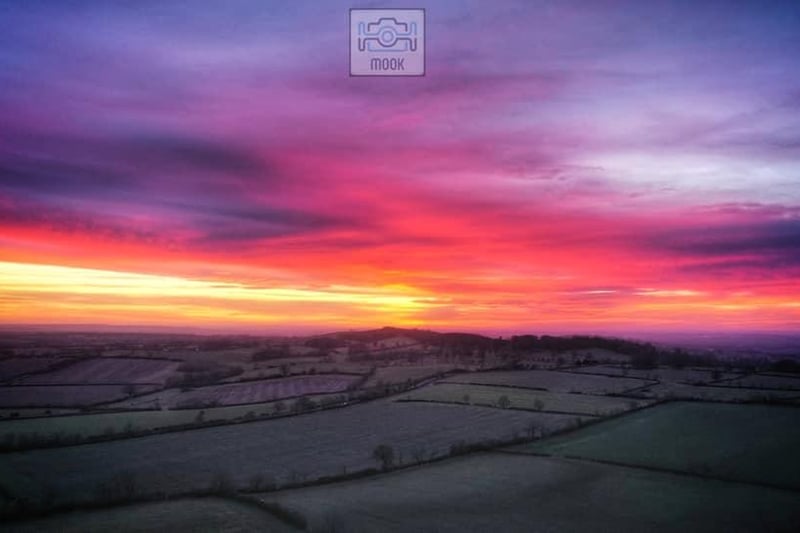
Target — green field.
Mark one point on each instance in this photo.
(198, 514)
(582, 404)
(515, 493)
(750, 443)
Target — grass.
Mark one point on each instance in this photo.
(62, 395)
(248, 392)
(400, 374)
(106, 370)
(673, 375)
(749, 443)
(513, 493)
(286, 450)
(714, 393)
(12, 413)
(552, 381)
(760, 381)
(93, 425)
(193, 514)
(582, 404)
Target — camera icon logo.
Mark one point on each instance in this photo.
(387, 42)
(387, 35)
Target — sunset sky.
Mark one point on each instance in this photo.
(563, 167)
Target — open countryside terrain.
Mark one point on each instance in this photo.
(12, 367)
(515, 493)
(747, 443)
(75, 427)
(287, 449)
(195, 417)
(554, 381)
(246, 392)
(106, 370)
(191, 514)
(64, 395)
(528, 399)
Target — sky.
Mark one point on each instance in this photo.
(582, 167)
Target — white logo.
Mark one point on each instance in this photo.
(387, 42)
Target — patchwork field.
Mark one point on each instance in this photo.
(513, 493)
(765, 381)
(17, 366)
(93, 425)
(749, 443)
(582, 404)
(268, 369)
(242, 393)
(401, 374)
(198, 514)
(672, 375)
(12, 413)
(62, 395)
(552, 381)
(293, 448)
(267, 390)
(107, 370)
(678, 391)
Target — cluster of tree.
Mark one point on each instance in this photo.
(199, 373)
(226, 342)
(271, 352)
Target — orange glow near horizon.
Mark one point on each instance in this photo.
(80, 296)
(172, 171)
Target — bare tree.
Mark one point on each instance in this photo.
(384, 454)
(503, 402)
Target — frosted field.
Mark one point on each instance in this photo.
(766, 381)
(107, 370)
(198, 514)
(748, 443)
(93, 425)
(520, 494)
(242, 393)
(17, 366)
(582, 404)
(678, 391)
(552, 381)
(672, 375)
(267, 390)
(401, 374)
(61, 395)
(292, 448)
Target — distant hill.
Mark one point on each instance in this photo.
(423, 336)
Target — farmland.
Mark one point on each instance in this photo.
(197, 514)
(766, 381)
(401, 374)
(62, 395)
(513, 493)
(724, 441)
(679, 391)
(83, 426)
(674, 375)
(13, 367)
(553, 381)
(287, 449)
(244, 392)
(177, 421)
(106, 370)
(581, 404)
